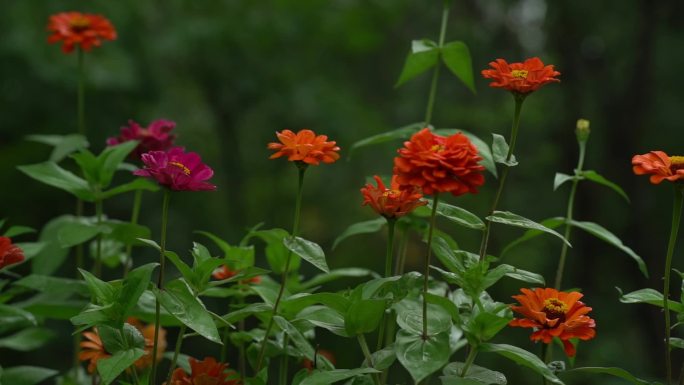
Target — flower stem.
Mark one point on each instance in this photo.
(160, 282)
(426, 272)
(282, 376)
(295, 230)
(137, 201)
(367, 355)
(176, 352)
(469, 361)
(435, 73)
(504, 173)
(676, 216)
(97, 269)
(391, 222)
(403, 248)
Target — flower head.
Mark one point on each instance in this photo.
(207, 372)
(147, 332)
(176, 169)
(391, 202)
(438, 164)
(554, 313)
(155, 137)
(9, 253)
(92, 349)
(520, 78)
(305, 146)
(660, 166)
(79, 29)
(225, 272)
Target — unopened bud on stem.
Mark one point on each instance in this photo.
(582, 130)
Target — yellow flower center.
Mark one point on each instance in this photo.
(79, 23)
(180, 165)
(555, 308)
(677, 163)
(437, 148)
(519, 74)
(391, 193)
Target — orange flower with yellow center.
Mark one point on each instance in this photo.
(554, 313)
(520, 78)
(391, 202)
(304, 146)
(79, 29)
(660, 166)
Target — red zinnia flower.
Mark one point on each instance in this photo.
(177, 170)
(92, 350)
(309, 365)
(305, 146)
(438, 164)
(9, 253)
(155, 137)
(79, 29)
(660, 166)
(207, 372)
(520, 78)
(224, 272)
(553, 313)
(148, 333)
(391, 202)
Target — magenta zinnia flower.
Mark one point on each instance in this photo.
(176, 169)
(156, 137)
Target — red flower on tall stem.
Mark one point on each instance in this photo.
(225, 272)
(9, 253)
(155, 137)
(177, 170)
(660, 166)
(305, 146)
(438, 164)
(207, 372)
(79, 29)
(520, 78)
(552, 313)
(392, 202)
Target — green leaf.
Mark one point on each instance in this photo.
(456, 56)
(143, 184)
(134, 285)
(366, 227)
(16, 231)
(110, 368)
(651, 297)
(335, 375)
(522, 357)
(519, 274)
(303, 346)
(423, 56)
(27, 339)
(677, 342)
(561, 178)
(458, 215)
(347, 272)
(53, 175)
(596, 177)
(103, 292)
(422, 358)
(324, 317)
(410, 317)
(78, 232)
(110, 159)
(63, 144)
(500, 151)
(452, 373)
(276, 252)
(601, 233)
(52, 255)
(615, 372)
(508, 218)
(26, 375)
(400, 133)
(364, 316)
(486, 325)
(550, 223)
(12, 318)
(309, 251)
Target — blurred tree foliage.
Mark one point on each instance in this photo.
(231, 73)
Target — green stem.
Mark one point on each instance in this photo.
(284, 362)
(403, 249)
(676, 216)
(97, 269)
(160, 282)
(80, 109)
(367, 354)
(295, 230)
(435, 73)
(502, 179)
(391, 222)
(176, 352)
(469, 361)
(426, 271)
(137, 201)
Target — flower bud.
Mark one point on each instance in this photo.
(582, 131)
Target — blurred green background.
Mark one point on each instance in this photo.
(231, 73)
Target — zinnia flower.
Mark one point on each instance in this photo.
(207, 372)
(520, 78)
(554, 313)
(660, 166)
(309, 365)
(92, 350)
(176, 169)
(155, 137)
(438, 164)
(305, 146)
(148, 333)
(9, 253)
(391, 202)
(79, 29)
(224, 272)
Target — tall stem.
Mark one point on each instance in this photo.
(435, 73)
(176, 352)
(135, 213)
(295, 230)
(469, 361)
(676, 216)
(403, 248)
(282, 376)
(367, 355)
(81, 94)
(502, 179)
(160, 282)
(97, 269)
(391, 222)
(426, 271)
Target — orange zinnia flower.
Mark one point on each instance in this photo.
(207, 372)
(9, 253)
(391, 202)
(309, 365)
(660, 166)
(305, 146)
(92, 350)
(438, 164)
(148, 333)
(224, 272)
(554, 313)
(79, 29)
(520, 78)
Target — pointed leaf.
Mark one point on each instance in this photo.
(25, 375)
(596, 177)
(456, 56)
(63, 144)
(364, 316)
(423, 56)
(309, 251)
(51, 174)
(401, 133)
(143, 184)
(508, 218)
(561, 178)
(522, 357)
(27, 339)
(365, 227)
(110, 368)
(331, 376)
(422, 357)
(296, 337)
(453, 371)
(110, 159)
(458, 215)
(500, 151)
(615, 372)
(651, 297)
(551, 223)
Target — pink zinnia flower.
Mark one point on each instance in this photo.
(156, 137)
(176, 169)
